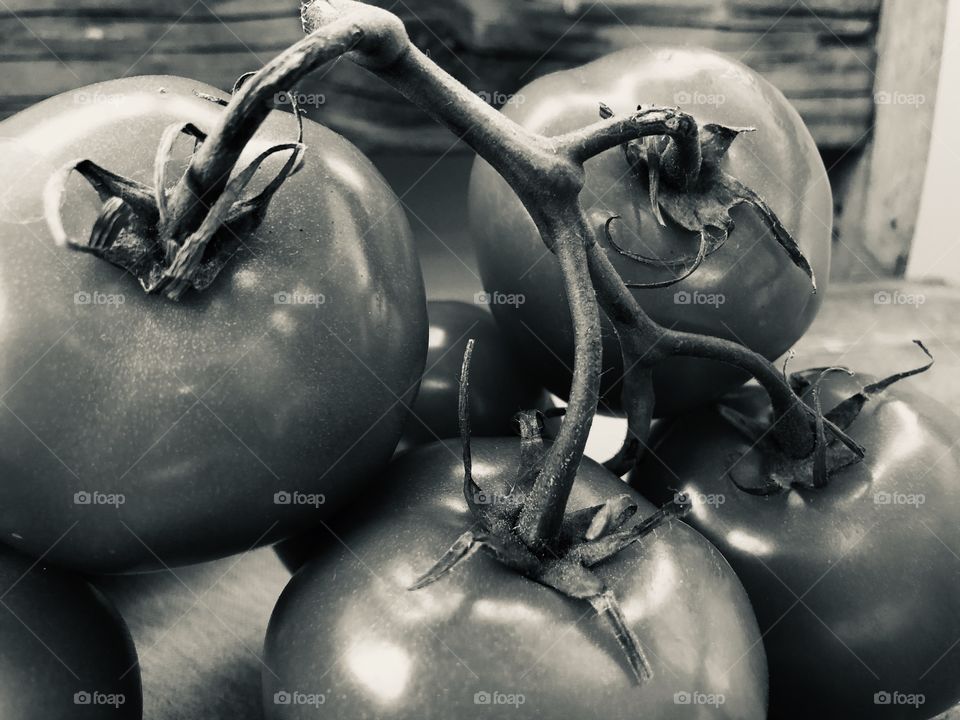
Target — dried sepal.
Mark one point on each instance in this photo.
(587, 537)
(703, 206)
(834, 450)
(130, 229)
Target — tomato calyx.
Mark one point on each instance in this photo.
(830, 455)
(587, 537)
(132, 229)
(698, 202)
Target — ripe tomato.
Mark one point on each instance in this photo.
(500, 386)
(348, 634)
(175, 432)
(857, 585)
(67, 654)
(748, 290)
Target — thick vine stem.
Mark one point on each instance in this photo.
(794, 425)
(542, 515)
(547, 175)
(206, 177)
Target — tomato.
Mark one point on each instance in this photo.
(67, 654)
(348, 634)
(500, 386)
(171, 432)
(857, 585)
(748, 290)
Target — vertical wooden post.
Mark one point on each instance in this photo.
(880, 211)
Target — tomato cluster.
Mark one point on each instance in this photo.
(215, 337)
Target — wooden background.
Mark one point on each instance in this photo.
(821, 53)
(832, 58)
(199, 630)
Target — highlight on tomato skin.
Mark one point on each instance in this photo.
(748, 289)
(347, 615)
(279, 379)
(868, 555)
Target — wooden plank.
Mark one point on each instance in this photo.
(69, 38)
(488, 44)
(821, 7)
(112, 38)
(171, 9)
(878, 224)
(935, 252)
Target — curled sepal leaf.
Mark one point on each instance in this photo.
(462, 548)
(587, 536)
(124, 232)
(779, 472)
(704, 206)
(594, 551)
(162, 160)
(687, 265)
(131, 229)
(610, 516)
(223, 226)
(833, 450)
(844, 413)
(137, 196)
(593, 522)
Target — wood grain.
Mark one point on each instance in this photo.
(884, 197)
(820, 52)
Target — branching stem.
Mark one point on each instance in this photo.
(546, 174)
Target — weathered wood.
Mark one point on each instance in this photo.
(173, 9)
(819, 52)
(877, 225)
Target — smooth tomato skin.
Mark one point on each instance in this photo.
(60, 636)
(767, 302)
(196, 412)
(879, 582)
(347, 627)
(500, 386)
